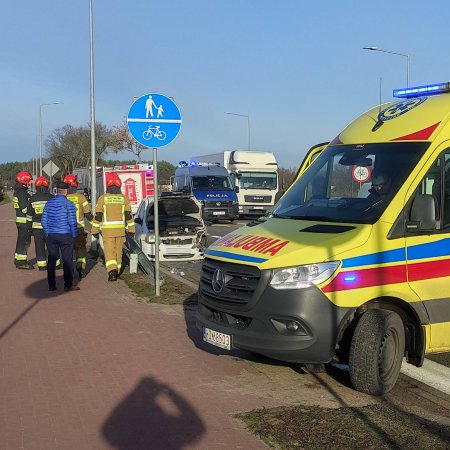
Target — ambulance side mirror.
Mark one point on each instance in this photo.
(423, 214)
(138, 220)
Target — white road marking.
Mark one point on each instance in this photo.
(215, 237)
(431, 373)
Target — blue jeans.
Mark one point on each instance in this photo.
(57, 243)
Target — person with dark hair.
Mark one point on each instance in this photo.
(381, 185)
(35, 208)
(20, 202)
(59, 221)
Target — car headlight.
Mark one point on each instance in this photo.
(300, 277)
(235, 202)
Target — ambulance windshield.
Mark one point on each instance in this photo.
(351, 183)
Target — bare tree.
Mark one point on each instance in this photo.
(70, 147)
(64, 147)
(122, 140)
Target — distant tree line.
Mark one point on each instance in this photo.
(69, 147)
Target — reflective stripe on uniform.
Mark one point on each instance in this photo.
(111, 262)
(113, 222)
(42, 263)
(21, 219)
(20, 257)
(37, 225)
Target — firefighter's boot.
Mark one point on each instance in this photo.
(112, 276)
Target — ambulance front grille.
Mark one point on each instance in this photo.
(240, 282)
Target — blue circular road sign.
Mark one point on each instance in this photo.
(154, 120)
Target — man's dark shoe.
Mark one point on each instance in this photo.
(42, 269)
(71, 288)
(81, 273)
(112, 276)
(52, 288)
(25, 267)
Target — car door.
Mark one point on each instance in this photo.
(428, 256)
(140, 223)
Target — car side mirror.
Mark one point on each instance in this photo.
(423, 214)
(138, 220)
(236, 189)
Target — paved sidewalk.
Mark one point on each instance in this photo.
(96, 369)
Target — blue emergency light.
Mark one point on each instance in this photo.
(420, 91)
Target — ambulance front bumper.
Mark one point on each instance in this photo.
(300, 326)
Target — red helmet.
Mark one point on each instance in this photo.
(112, 179)
(71, 180)
(24, 177)
(41, 181)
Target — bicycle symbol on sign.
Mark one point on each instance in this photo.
(154, 131)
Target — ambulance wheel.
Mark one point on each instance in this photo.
(376, 351)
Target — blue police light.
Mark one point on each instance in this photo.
(420, 91)
(349, 278)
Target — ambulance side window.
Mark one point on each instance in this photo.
(437, 183)
(446, 189)
(431, 185)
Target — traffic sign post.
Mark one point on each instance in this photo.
(154, 120)
(51, 169)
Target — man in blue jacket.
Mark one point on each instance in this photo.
(59, 221)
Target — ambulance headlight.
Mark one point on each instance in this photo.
(300, 277)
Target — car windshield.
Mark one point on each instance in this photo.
(212, 183)
(351, 183)
(257, 180)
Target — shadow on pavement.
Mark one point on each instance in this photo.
(155, 416)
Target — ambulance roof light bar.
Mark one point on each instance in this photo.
(420, 91)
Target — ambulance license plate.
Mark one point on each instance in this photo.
(218, 213)
(218, 339)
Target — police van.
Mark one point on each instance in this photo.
(211, 185)
(353, 265)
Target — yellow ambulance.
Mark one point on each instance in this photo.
(353, 265)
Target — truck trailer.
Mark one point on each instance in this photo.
(256, 175)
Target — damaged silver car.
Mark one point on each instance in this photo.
(181, 228)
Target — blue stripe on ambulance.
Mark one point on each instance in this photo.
(415, 252)
(235, 256)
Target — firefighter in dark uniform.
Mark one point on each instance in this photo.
(36, 204)
(83, 212)
(113, 217)
(20, 202)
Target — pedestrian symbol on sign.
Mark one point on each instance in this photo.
(154, 117)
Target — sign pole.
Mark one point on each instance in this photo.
(156, 221)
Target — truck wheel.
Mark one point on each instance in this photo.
(376, 351)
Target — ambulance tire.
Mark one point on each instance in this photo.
(376, 351)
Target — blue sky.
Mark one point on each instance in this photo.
(296, 68)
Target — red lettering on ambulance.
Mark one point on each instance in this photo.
(240, 242)
(275, 249)
(253, 243)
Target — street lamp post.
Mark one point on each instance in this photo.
(376, 49)
(93, 157)
(40, 133)
(248, 125)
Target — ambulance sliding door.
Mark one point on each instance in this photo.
(428, 256)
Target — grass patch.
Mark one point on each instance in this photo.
(379, 426)
(172, 291)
